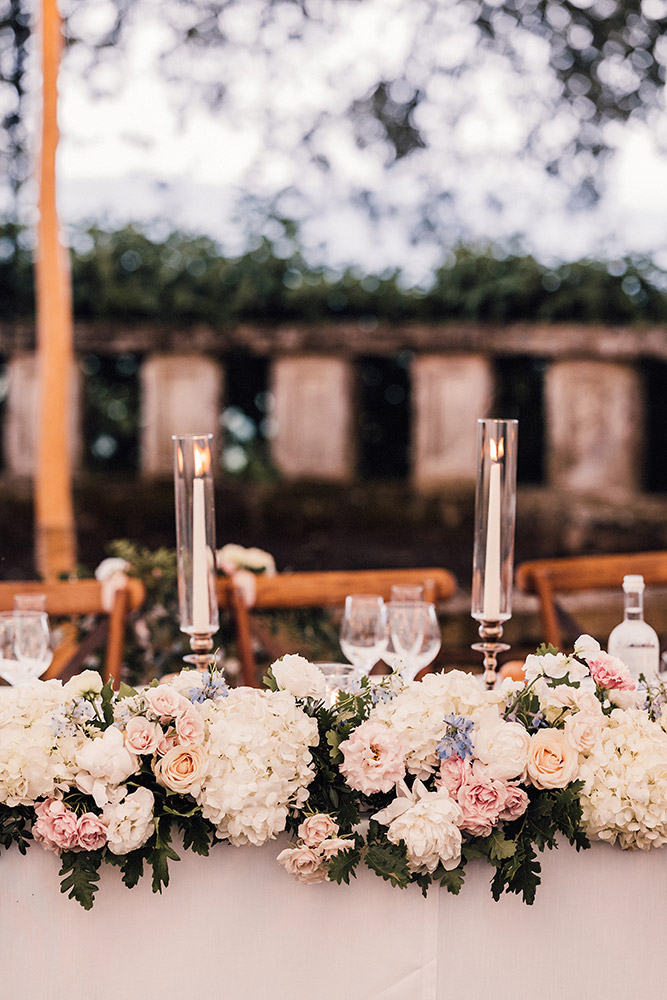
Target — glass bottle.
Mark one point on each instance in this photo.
(634, 641)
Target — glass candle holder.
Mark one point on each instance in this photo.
(495, 517)
(195, 535)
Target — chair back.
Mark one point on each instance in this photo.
(320, 590)
(547, 577)
(73, 598)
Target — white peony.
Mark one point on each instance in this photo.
(428, 824)
(297, 675)
(104, 762)
(129, 821)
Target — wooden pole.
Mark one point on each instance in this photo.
(55, 540)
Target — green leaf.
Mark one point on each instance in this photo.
(519, 874)
(451, 880)
(132, 866)
(80, 875)
(161, 853)
(126, 691)
(106, 695)
(543, 649)
(390, 862)
(270, 681)
(14, 827)
(500, 847)
(197, 834)
(344, 864)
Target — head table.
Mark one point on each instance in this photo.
(236, 925)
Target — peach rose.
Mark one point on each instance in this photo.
(552, 760)
(304, 863)
(182, 769)
(317, 828)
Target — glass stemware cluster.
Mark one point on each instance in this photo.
(25, 641)
(404, 632)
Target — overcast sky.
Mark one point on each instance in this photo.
(126, 155)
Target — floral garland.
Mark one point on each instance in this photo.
(413, 780)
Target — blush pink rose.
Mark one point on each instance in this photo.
(142, 736)
(516, 803)
(373, 758)
(167, 743)
(610, 672)
(189, 726)
(304, 863)
(165, 701)
(317, 828)
(552, 761)
(91, 832)
(329, 848)
(453, 772)
(482, 800)
(56, 826)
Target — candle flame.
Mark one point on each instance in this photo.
(179, 460)
(202, 460)
(496, 451)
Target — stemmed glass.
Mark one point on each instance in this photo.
(25, 645)
(413, 636)
(363, 635)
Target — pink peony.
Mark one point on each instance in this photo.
(91, 832)
(482, 800)
(142, 736)
(373, 758)
(453, 772)
(516, 803)
(610, 672)
(56, 826)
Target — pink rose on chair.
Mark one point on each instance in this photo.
(56, 826)
(610, 672)
(373, 758)
(482, 800)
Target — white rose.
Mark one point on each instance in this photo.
(129, 822)
(109, 567)
(297, 675)
(583, 731)
(87, 682)
(501, 746)
(626, 699)
(586, 647)
(104, 762)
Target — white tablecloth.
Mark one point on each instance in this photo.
(235, 926)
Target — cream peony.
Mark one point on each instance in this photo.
(129, 822)
(104, 762)
(428, 824)
(502, 747)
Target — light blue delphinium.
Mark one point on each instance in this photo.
(456, 742)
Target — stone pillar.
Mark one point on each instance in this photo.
(449, 394)
(180, 394)
(20, 422)
(595, 426)
(313, 418)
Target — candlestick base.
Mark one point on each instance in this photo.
(490, 633)
(202, 654)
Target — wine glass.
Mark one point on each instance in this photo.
(25, 645)
(407, 592)
(414, 636)
(363, 636)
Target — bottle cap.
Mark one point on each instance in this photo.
(633, 582)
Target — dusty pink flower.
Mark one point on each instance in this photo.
(482, 800)
(167, 743)
(373, 758)
(91, 832)
(165, 701)
(516, 803)
(610, 672)
(317, 828)
(452, 774)
(142, 736)
(56, 826)
(334, 845)
(304, 863)
(189, 726)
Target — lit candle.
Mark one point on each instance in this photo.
(200, 602)
(491, 607)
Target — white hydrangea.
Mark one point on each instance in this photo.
(625, 791)
(36, 758)
(129, 821)
(259, 763)
(416, 714)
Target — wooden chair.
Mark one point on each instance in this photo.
(319, 590)
(547, 577)
(74, 598)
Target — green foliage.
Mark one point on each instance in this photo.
(15, 827)
(80, 875)
(343, 865)
(387, 860)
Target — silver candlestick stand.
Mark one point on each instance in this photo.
(490, 633)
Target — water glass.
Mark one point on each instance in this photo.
(363, 635)
(407, 592)
(413, 636)
(25, 645)
(337, 677)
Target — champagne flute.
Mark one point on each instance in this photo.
(363, 635)
(414, 634)
(25, 645)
